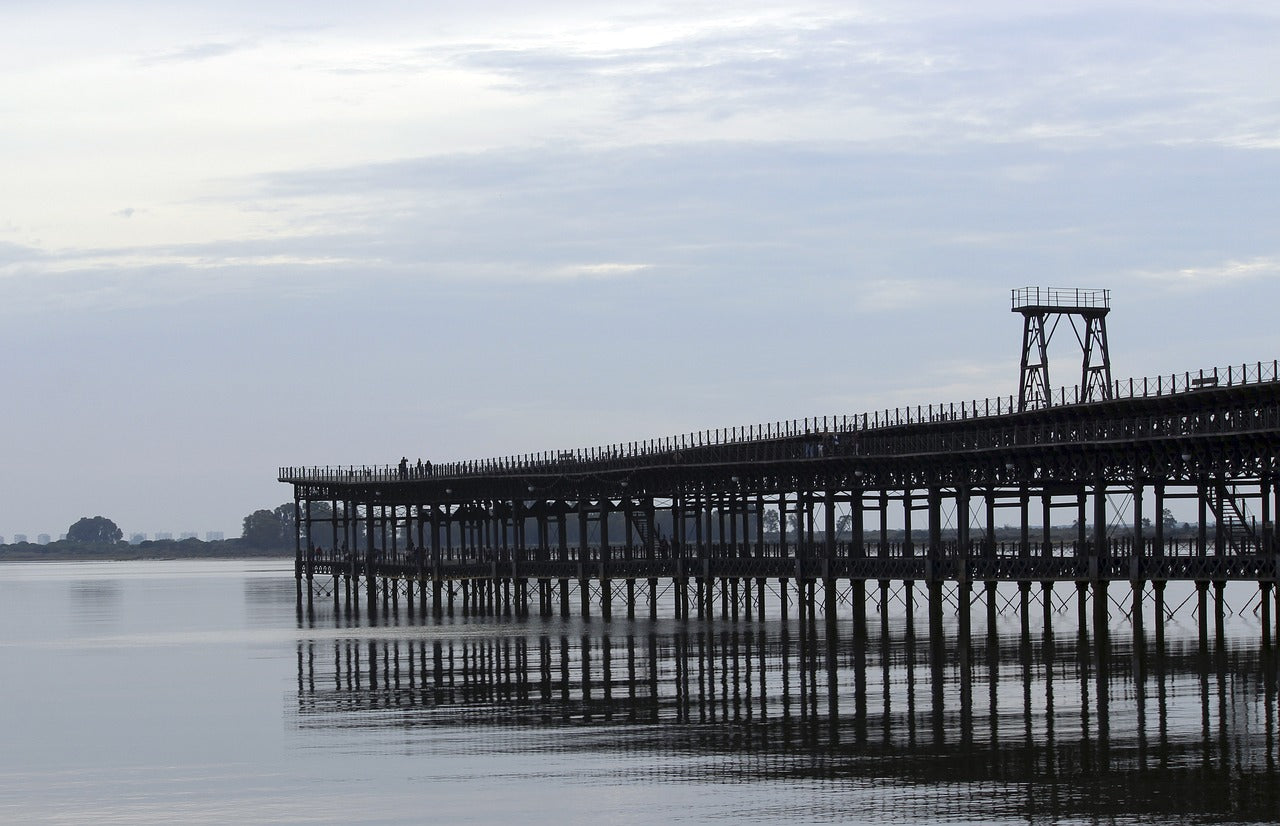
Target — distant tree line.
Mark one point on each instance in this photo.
(264, 532)
(273, 532)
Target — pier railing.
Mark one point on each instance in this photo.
(823, 426)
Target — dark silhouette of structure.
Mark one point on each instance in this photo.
(681, 520)
(1042, 311)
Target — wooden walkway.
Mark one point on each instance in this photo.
(928, 491)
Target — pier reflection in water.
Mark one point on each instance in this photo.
(905, 722)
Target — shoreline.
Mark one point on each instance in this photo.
(121, 555)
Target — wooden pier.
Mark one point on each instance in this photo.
(912, 495)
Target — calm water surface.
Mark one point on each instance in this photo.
(160, 692)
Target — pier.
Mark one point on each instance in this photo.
(683, 525)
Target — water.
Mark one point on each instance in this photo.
(156, 692)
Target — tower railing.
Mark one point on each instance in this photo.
(1060, 298)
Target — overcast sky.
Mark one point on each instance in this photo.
(240, 235)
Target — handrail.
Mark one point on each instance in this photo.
(1065, 298)
(825, 426)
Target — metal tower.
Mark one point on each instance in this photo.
(1042, 309)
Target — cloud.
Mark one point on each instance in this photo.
(193, 53)
(11, 254)
(1067, 76)
(604, 270)
(1230, 271)
(873, 230)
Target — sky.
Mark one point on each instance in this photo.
(238, 236)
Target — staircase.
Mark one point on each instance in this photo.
(1238, 529)
(643, 527)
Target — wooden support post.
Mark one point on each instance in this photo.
(1099, 546)
(908, 541)
(858, 598)
(933, 502)
(422, 562)
(543, 556)
(1202, 507)
(437, 580)
(584, 554)
(606, 552)
(1267, 540)
(1219, 606)
(297, 553)
(1082, 522)
(1202, 606)
(1101, 613)
(1046, 594)
(1046, 517)
(562, 541)
(829, 598)
(628, 546)
(991, 611)
(1157, 539)
(1158, 588)
(515, 550)
(1024, 520)
(370, 559)
(883, 549)
(1265, 603)
(1136, 611)
(1082, 606)
(681, 585)
(702, 536)
(962, 525)
(989, 501)
(782, 526)
(1139, 537)
(309, 556)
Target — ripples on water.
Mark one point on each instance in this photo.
(163, 692)
(1047, 722)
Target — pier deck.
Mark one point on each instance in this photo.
(927, 494)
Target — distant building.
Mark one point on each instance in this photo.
(1, 540)
(137, 538)
(213, 536)
(43, 539)
(163, 535)
(19, 538)
(188, 535)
